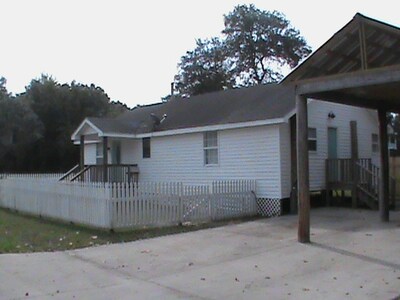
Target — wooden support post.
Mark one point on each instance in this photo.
(82, 152)
(354, 159)
(303, 194)
(384, 169)
(293, 163)
(82, 155)
(327, 185)
(105, 159)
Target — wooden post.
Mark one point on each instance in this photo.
(105, 159)
(303, 194)
(82, 155)
(327, 185)
(384, 169)
(293, 163)
(354, 158)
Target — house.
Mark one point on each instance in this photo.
(246, 133)
(323, 127)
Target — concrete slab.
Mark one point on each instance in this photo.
(352, 256)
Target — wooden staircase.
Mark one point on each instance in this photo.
(113, 173)
(367, 179)
(360, 176)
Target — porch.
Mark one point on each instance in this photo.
(360, 178)
(112, 173)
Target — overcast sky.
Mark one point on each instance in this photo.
(131, 48)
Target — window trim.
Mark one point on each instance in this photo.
(143, 148)
(312, 139)
(99, 153)
(375, 143)
(206, 148)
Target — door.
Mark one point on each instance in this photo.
(116, 153)
(332, 142)
(115, 171)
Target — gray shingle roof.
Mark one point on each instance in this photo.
(261, 102)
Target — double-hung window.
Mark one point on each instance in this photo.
(375, 143)
(146, 147)
(99, 153)
(312, 139)
(210, 144)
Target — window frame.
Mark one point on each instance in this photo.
(375, 143)
(207, 149)
(99, 153)
(312, 139)
(146, 151)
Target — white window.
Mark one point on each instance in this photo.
(312, 139)
(375, 143)
(210, 148)
(99, 153)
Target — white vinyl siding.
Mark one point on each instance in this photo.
(318, 118)
(261, 153)
(246, 153)
(285, 160)
(90, 154)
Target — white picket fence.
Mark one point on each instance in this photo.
(123, 205)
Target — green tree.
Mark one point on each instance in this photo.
(61, 108)
(254, 46)
(37, 124)
(20, 128)
(258, 40)
(204, 69)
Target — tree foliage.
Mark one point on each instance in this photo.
(257, 40)
(37, 124)
(204, 69)
(254, 46)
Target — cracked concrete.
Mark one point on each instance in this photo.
(352, 256)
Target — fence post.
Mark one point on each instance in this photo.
(109, 201)
(209, 195)
(180, 204)
(355, 184)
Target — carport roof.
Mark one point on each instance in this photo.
(359, 65)
(363, 43)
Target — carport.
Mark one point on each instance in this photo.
(360, 66)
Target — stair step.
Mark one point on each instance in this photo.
(368, 198)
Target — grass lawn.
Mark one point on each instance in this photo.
(21, 233)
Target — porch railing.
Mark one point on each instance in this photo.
(110, 173)
(360, 176)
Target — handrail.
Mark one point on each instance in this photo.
(80, 173)
(69, 172)
(113, 165)
(365, 169)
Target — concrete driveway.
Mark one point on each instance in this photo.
(352, 256)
